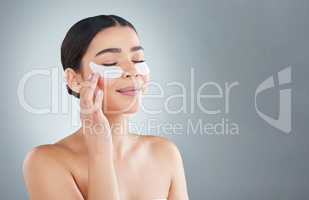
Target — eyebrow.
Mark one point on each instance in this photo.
(118, 50)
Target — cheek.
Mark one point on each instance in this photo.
(111, 98)
(146, 78)
(108, 87)
(114, 101)
(117, 103)
(106, 84)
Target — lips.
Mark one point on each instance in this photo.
(129, 91)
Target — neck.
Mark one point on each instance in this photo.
(119, 127)
(120, 133)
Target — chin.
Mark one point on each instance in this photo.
(135, 109)
(131, 110)
(124, 108)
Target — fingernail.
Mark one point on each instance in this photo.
(89, 76)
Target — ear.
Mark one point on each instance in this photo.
(73, 79)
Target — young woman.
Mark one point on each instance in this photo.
(103, 160)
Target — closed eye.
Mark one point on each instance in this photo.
(112, 64)
(138, 61)
(109, 64)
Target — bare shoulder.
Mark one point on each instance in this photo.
(162, 148)
(41, 158)
(46, 176)
(57, 152)
(39, 154)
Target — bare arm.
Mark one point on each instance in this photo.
(102, 179)
(178, 188)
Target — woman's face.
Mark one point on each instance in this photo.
(117, 46)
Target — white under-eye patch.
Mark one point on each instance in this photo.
(142, 68)
(116, 71)
(107, 72)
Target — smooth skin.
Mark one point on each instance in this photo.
(102, 159)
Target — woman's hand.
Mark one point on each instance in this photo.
(102, 179)
(95, 126)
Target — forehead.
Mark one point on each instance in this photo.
(122, 37)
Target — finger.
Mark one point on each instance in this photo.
(98, 99)
(98, 114)
(86, 96)
(85, 85)
(87, 90)
(94, 94)
(89, 93)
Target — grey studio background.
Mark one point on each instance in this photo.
(221, 41)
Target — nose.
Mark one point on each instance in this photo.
(131, 72)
